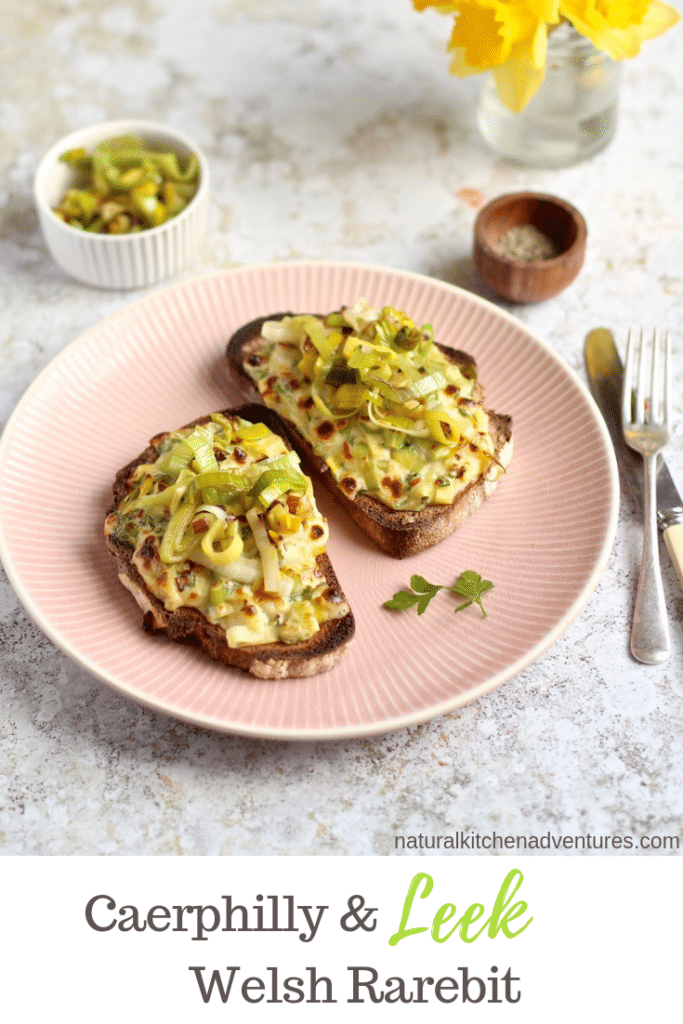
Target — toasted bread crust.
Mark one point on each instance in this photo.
(188, 625)
(399, 533)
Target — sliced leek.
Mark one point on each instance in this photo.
(373, 376)
(269, 559)
(123, 187)
(225, 521)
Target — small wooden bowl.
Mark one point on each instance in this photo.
(524, 280)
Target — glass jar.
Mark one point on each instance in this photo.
(572, 116)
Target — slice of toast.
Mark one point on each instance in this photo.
(398, 532)
(274, 660)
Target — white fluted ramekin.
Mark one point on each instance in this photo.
(121, 261)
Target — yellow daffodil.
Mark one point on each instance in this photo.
(509, 37)
(619, 26)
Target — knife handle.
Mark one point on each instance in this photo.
(673, 537)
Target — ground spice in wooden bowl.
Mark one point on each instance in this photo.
(526, 242)
(528, 246)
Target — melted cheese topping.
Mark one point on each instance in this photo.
(224, 521)
(379, 402)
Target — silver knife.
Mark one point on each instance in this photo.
(606, 375)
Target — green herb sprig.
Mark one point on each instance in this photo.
(469, 585)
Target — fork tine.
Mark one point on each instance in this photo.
(655, 410)
(660, 383)
(627, 398)
(641, 390)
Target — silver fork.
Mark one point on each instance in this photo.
(645, 416)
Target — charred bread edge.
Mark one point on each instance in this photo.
(267, 661)
(398, 532)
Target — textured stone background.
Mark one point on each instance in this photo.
(334, 131)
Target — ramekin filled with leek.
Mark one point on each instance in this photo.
(123, 204)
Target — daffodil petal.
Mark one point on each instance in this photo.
(459, 65)
(621, 41)
(617, 43)
(658, 19)
(422, 5)
(539, 46)
(487, 31)
(517, 80)
(545, 10)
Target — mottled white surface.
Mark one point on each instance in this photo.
(334, 131)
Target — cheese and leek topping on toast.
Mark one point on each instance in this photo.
(380, 402)
(225, 521)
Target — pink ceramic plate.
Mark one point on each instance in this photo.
(543, 538)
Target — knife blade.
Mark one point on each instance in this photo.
(606, 375)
